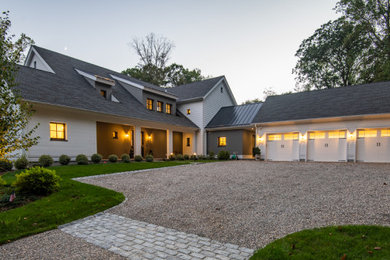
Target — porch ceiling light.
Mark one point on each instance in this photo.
(126, 135)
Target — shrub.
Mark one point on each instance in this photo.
(113, 158)
(211, 156)
(138, 158)
(223, 155)
(179, 157)
(202, 157)
(64, 159)
(125, 158)
(96, 158)
(37, 181)
(149, 158)
(45, 160)
(172, 157)
(21, 163)
(256, 151)
(5, 165)
(194, 157)
(186, 157)
(2, 182)
(82, 159)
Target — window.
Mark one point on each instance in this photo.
(159, 106)
(291, 136)
(337, 134)
(188, 141)
(168, 108)
(385, 132)
(367, 133)
(222, 141)
(221, 89)
(149, 104)
(188, 111)
(274, 137)
(115, 135)
(317, 135)
(103, 93)
(57, 131)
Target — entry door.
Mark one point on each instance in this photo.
(283, 147)
(373, 145)
(327, 146)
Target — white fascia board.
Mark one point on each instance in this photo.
(228, 88)
(127, 82)
(87, 75)
(160, 93)
(29, 56)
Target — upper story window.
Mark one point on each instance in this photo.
(221, 89)
(168, 108)
(149, 104)
(222, 141)
(159, 106)
(188, 111)
(103, 93)
(188, 141)
(57, 131)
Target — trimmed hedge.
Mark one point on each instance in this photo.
(125, 158)
(113, 158)
(45, 160)
(64, 159)
(82, 159)
(223, 155)
(96, 158)
(138, 158)
(21, 163)
(149, 158)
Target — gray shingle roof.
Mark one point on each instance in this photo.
(364, 99)
(68, 88)
(235, 116)
(194, 90)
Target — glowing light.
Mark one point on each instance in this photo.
(261, 139)
(194, 153)
(302, 137)
(127, 135)
(351, 135)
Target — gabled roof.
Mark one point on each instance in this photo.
(66, 87)
(233, 116)
(363, 99)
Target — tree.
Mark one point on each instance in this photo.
(177, 75)
(14, 113)
(251, 101)
(332, 57)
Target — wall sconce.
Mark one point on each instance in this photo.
(302, 137)
(351, 135)
(195, 154)
(261, 139)
(127, 135)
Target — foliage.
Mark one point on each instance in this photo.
(186, 157)
(194, 157)
(96, 158)
(113, 158)
(64, 159)
(342, 242)
(250, 101)
(45, 160)
(176, 75)
(223, 155)
(211, 155)
(2, 182)
(82, 159)
(202, 157)
(21, 163)
(125, 158)
(37, 181)
(179, 157)
(14, 113)
(172, 157)
(5, 165)
(149, 158)
(256, 151)
(138, 158)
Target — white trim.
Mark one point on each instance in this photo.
(114, 99)
(28, 59)
(127, 82)
(87, 75)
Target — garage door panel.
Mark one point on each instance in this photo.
(282, 150)
(373, 148)
(326, 149)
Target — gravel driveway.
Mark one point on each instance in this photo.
(251, 203)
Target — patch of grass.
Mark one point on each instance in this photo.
(342, 242)
(73, 201)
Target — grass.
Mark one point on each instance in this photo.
(73, 201)
(343, 242)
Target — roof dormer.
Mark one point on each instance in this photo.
(34, 60)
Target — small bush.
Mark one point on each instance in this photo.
(202, 157)
(96, 158)
(256, 151)
(21, 163)
(149, 158)
(37, 181)
(223, 155)
(2, 182)
(194, 157)
(82, 159)
(113, 158)
(179, 157)
(138, 158)
(64, 159)
(125, 158)
(211, 156)
(5, 165)
(172, 157)
(45, 160)
(186, 157)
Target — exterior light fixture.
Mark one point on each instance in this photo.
(302, 137)
(127, 135)
(351, 135)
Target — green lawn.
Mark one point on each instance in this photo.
(73, 201)
(344, 242)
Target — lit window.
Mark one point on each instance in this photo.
(337, 134)
(385, 132)
(291, 136)
(274, 137)
(168, 108)
(159, 106)
(367, 133)
(317, 135)
(222, 141)
(188, 111)
(57, 131)
(149, 104)
(103, 93)
(188, 141)
(115, 135)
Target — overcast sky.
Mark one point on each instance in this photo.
(252, 43)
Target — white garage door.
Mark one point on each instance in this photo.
(283, 147)
(373, 145)
(327, 146)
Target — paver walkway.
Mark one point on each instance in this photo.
(140, 240)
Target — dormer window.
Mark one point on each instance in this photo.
(188, 111)
(159, 106)
(149, 104)
(221, 89)
(168, 108)
(103, 93)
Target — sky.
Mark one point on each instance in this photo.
(252, 43)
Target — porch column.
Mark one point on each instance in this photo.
(169, 142)
(193, 144)
(137, 140)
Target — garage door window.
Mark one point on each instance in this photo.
(291, 136)
(385, 132)
(367, 133)
(317, 135)
(337, 134)
(274, 137)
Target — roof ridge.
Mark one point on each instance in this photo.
(203, 80)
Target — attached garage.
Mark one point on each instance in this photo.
(373, 145)
(327, 146)
(283, 147)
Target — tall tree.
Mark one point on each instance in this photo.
(14, 113)
(332, 57)
(177, 75)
